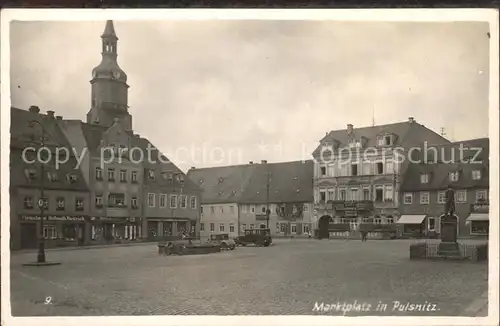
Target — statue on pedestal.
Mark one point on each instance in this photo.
(449, 206)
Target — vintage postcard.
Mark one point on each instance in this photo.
(227, 167)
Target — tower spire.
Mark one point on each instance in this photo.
(109, 30)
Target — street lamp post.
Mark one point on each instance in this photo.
(41, 201)
(268, 185)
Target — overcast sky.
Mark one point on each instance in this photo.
(236, 85)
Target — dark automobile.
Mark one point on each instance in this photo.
(258, 237)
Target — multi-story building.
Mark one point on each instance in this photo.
(426, 181)
(66, 195)
(235, 198)
(123, 170)
(357, 172)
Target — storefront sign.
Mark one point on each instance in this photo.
(53, 218)
(353, 205)
(480, 208)
(108, 219)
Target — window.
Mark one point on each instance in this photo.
(408, 198)
(476, 174)
(424, 178)
(331, 194)
(441, 197)
(192, 202)
(212, 210)
(479, 227)
(123, 175)
(116, 200)
(380, 141)
(432, 224)
(294, 228)
(212, 227)
(50, 232)
(79, 204)
(244, 208)
(163, 200)
(231, 227)
(98, 201)
(283, 227)
(380, 167)
(322, 195)
(354, 194)
(151, 200)
(389, 194)
(424, 198)
(111, 174)
(183, 203)
(388, 140)
(306, 229)
(133, 176)
(28, 202)
(60, 203)
(481, 196)
(98, 173)
(52, 176)
(366, 194)
(379, 194)
(461, 196)
(454, 176)
(173, 201)
(252, 226)
(151, 174)
(180, 178)
(202, 226)
(322, 170)
(342, 194)
(354, 169)
(221, 227)
(134, 203)
(263, 209)
(389, 167)
(367, 168)
(306, 208)
(71, 178)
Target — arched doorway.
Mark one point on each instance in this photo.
(323, 226)
(457, 220)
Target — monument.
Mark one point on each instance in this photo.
(448, 247)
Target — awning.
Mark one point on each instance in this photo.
(411, 219)
(478, 217)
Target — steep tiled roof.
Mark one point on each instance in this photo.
(407, 134)
(224, 184)
(440, 167)
(289, 182)
(23, 136)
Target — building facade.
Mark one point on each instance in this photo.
(236, 198)
(358, 172)
(121, 169)
(65, 196)
(425, 183)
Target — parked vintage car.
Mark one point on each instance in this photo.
(258, 237)
(222, 240)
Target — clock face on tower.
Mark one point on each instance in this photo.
(116, 74)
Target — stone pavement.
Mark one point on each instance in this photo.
(288, 278)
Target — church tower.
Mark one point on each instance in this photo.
(109, 89)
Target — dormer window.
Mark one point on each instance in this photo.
(180, 178)
(72, 178)
(424, 178)
(476, 174)
(385, 140)
(353, 143)
(454, 176)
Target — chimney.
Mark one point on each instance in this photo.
(349, 128)
(411, 120)
(251, 162)
(34, 109)
(137, 136)
(50, 114)
(192, 168)
(263, 161)
(58, 117)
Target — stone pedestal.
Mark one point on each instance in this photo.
(448, 248)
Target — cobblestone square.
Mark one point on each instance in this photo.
(289, 278)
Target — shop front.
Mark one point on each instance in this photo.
(114, 229)
(58, 231)
(412, 225)
(479, 220)
(160, 229)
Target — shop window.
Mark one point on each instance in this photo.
(479, 227)
(50, 232)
